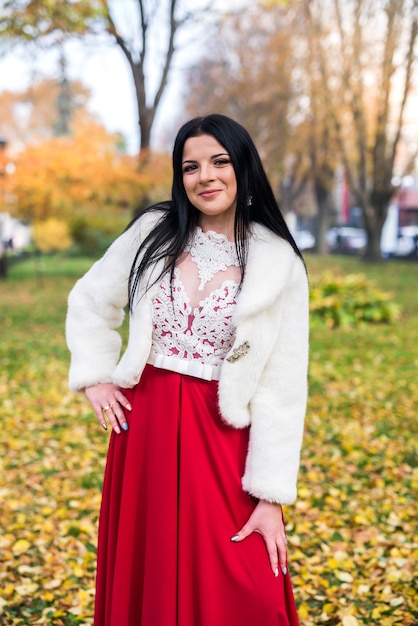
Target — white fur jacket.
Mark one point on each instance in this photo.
(263, 380)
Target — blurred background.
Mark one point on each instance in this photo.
(92, 94)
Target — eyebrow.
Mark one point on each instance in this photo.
(214, 156)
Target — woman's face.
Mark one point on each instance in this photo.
(209, 180)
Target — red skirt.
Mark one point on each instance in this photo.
(172, 499)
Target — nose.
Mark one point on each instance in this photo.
(206, 173)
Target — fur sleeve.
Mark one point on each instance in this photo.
(279, 404)
(96, 308)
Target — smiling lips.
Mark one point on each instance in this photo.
(210, 193)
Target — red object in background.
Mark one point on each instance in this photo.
(345, 205)
(406, 199)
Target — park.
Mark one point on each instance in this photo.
(333, 113)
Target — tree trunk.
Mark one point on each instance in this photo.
(4, 268)
(146, 119)
(375, 215)
(373, 251)
(147, 104)
(321, 246)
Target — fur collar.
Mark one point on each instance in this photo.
(269, 267)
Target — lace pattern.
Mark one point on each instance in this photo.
(202, 331)
(212, 252)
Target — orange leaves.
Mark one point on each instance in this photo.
(83, 175)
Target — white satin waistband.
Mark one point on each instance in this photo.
(184, 366)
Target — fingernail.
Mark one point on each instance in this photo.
(284, 570)
(117, 430)
(128, 406)
(125, 426)
(276, 572)
(235, 538)
(104, 425)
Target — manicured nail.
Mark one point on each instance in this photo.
(117, 430)
(128, 406)
(125, 426)
(235, 538)
(276, 572)
(284, 570)
(104, 425)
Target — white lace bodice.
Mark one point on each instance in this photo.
(192, 315)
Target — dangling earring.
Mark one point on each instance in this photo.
(249, 200)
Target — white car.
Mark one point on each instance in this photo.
(304, 239)
(346, 239)
(407, 243)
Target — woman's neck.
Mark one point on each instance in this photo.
(218, 225)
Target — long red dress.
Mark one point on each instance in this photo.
(172, 499)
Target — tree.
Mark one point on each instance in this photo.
(320, 144)
(83, 176)
(248, 73)
(33, 115)
(276, 100)
(146, 33)
(365, 52)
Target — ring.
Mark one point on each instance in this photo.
(107, 407)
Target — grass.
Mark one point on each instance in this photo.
(352, 532)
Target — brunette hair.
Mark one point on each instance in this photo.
(255, 201)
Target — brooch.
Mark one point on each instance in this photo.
(239, 352)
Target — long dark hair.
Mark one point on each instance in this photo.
(255, 201)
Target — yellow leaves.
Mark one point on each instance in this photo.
(377, 612)
(361, 519)
(339, 559)
(53, 584)
(26, 588)
(20, 546)
(6, 540)
(303, 611)
(355, 516)
(393, 519)
(350, 620)
(344, 577)
(51, 235)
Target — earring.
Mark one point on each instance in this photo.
(249, 200)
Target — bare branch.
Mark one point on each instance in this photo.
(410, 59)
(388, 69)
(169, 55)
(144, 27)
(331, 107)
(112, 30)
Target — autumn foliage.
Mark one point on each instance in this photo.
(51, 235)
(83, 175)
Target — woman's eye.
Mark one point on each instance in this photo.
(222, 161)
(189, 168)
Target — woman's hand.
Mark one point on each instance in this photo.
(267, 519)
(107, 401)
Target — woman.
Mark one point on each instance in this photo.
(208, 400)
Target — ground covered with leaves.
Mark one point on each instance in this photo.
(352, 533)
